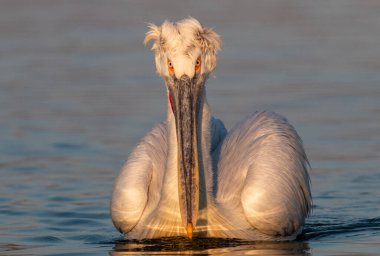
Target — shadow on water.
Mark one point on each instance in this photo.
(208, 246)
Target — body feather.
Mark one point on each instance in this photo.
(258, 187)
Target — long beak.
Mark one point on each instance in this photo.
(185, 98)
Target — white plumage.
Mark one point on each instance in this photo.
(251, 183)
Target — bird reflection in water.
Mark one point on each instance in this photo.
(209, 246)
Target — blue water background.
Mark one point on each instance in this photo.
(78, 90)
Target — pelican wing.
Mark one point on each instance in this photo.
(266, 167)
(130, 195)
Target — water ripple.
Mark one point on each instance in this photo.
(44, 239)
(319, 230)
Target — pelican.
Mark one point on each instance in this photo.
(188, 177)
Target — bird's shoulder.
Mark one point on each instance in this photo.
(259, 127)
(152, 147)
(258, 124)
(156, 137)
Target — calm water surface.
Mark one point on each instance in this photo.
(78, 89)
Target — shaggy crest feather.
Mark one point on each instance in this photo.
(184, 38)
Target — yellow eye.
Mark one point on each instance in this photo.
(198, 65)
(170, 66)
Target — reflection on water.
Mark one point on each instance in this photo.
(78, 90)
(212, 246)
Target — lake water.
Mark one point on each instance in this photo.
(78, 90)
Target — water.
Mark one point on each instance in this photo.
(78, 89)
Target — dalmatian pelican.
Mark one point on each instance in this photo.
(189, 177)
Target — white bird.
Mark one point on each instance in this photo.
(189, 177)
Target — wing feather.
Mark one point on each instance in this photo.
(266, 167)
(130, 194)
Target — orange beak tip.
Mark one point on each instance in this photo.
(189, 230)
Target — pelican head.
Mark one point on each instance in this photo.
(185, 54)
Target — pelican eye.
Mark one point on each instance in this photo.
(170, 66)
(198, 65)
